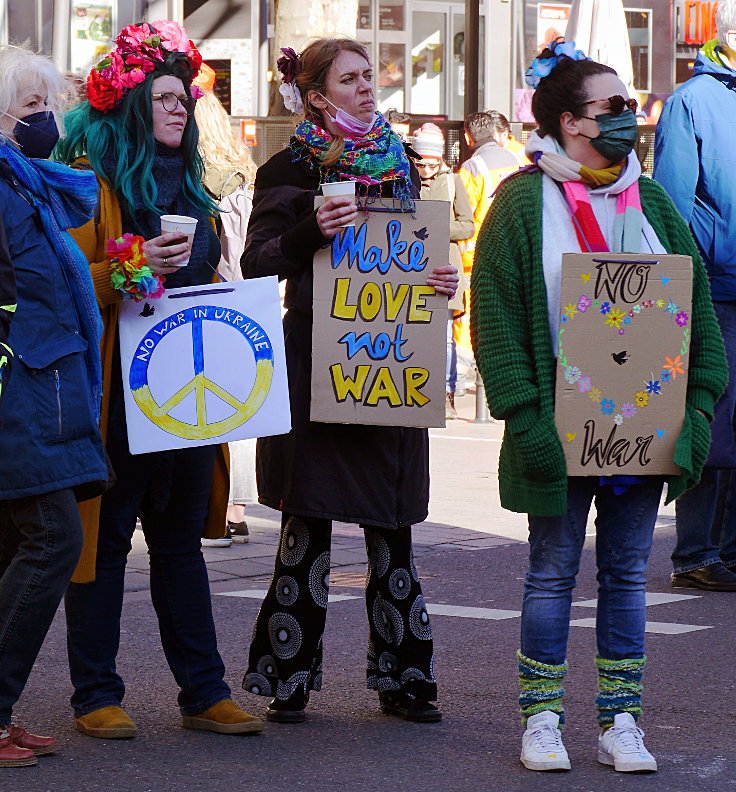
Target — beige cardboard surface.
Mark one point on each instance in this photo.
(379, 337)
(623, 344)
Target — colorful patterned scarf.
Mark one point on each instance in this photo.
(371, 160)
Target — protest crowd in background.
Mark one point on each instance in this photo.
(84, 236)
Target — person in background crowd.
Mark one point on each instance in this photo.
(51, 452)
(693, 161)
(439, 183)
(140, 100)
(587, 175)
(229, 173)
(7, 308)
(399, 123)
(505, 139)
(376, 476)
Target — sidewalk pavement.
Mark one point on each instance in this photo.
(464, 515)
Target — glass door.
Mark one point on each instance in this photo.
(429, 60)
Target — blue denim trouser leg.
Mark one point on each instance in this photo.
(179, 585)
(624, 527)
(451, 365)
(40, 543)
(695, 512)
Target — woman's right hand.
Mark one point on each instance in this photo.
(162, 258)
(334, 214)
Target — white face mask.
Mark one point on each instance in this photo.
(347, 124)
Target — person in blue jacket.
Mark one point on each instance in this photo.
(695, 161)
(7, 308)
(51, 452)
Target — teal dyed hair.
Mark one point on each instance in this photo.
(121, 148)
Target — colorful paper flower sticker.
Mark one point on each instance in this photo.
(681, 318)
(572, 374)
(615, 317)
(595, 394)
(628, 410)
(659, 303)
(674, 366)
(605, 307)
(618, 419)
(665, 376)
(584, 385)
(672, 308)
(641, 398)
(570, 310)
(654, 387)
(607, 407)
(636, 309)
(584, 303)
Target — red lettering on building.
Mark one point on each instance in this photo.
(700, 21)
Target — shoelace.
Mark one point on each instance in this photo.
(630, 738)
(547, 738)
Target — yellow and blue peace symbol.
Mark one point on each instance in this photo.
(194, 317)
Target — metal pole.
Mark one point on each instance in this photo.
(472, 53)
(60, 26)
(482, 414)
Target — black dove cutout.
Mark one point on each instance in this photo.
(422, 233)
(620, 357)
(148, 310)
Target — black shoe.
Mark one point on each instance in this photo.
(289, 710)
(409, 708)
(238, 532)
(714, 577)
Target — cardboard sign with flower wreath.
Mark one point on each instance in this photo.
(622, 361)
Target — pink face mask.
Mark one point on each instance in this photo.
(349, 125)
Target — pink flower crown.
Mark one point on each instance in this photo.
(138, 48)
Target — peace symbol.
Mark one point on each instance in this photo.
(194, 317)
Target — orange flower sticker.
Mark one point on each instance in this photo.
(674, 366)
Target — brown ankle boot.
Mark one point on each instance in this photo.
(225, 717)
(33, 742)
(107, 723)
(11, 755)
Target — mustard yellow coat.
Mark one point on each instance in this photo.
(92, 239)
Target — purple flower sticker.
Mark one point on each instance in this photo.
(681, 318)
(628, 410)
(584, 303)
(584, 384)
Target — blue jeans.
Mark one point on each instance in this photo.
(40, 543)
(451, 365)
(706, 517)
(179, 585)
(624, 528)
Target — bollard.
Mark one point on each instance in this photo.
(482, 415)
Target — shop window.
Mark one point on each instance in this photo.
(639, 22)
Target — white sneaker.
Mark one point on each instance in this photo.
(623, 747)
(223, 542)
(541, 745)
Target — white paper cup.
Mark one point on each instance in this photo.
(333, 189)
(186, 225)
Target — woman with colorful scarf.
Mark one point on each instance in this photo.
(51, 452)
(584, 193)
(137, 133)
(376, 476)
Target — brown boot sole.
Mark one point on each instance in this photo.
(204, 724)
(19, 762)
(120, 733)
(44, 751)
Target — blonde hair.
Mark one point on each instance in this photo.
(316, 61)
(217, 143)
(20, 67)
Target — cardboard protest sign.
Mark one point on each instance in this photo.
(204, 365)
(379, 337)
(623, 345)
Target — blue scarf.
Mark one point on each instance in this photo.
(65, 198)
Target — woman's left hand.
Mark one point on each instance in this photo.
(444, 279)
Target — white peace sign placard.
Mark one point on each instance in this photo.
(204, 365)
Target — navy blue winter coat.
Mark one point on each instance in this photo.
(49, 436)
(695, 161)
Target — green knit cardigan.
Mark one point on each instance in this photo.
(513, 348)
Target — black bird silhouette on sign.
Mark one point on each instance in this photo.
(620, 357)
(148, 310)
(422, 233)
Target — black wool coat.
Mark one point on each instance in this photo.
(373, 475)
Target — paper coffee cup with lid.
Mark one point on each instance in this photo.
(334, 189)
(186, 226)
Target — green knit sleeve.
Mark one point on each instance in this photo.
(498, 315)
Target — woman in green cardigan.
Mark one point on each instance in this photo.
(584, 193)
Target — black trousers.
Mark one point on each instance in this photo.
(286, 650)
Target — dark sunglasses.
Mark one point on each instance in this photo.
(170, 101)
(616, 104)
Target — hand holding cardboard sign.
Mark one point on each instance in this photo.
(444, 279)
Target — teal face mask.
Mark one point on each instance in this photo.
(618, 136)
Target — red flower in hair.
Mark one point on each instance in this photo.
(289, 65)
(102, 93)
(195, 59)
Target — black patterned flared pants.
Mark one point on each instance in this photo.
(286, 650)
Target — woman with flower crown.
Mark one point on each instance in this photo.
(371, 475)
(585, 192)
(137, 132)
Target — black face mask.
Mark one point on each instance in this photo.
(37, 134)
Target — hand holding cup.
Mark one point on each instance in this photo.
(166, 253)
(339, 209)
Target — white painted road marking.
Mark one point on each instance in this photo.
(495, 614)
(261, 594)
(661, 628)
(653, 598)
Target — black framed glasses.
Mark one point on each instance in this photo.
(616, 104)
(171, 101)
